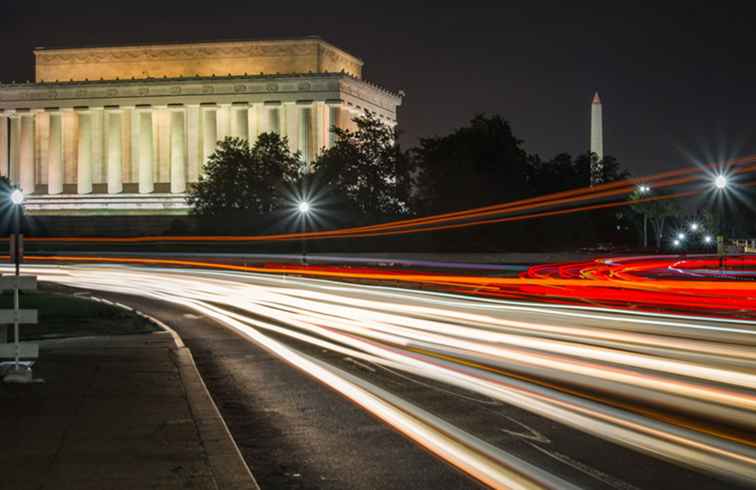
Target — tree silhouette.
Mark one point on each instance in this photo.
(243, 179)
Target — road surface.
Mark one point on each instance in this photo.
(330, 385)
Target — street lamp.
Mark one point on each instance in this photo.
(681, 237)
(677, 243)
(708, 239)
(643, 190)
(304, 209)
(17, 201)
(721, 183)
(694, 227)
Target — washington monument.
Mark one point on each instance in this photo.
(597, 136)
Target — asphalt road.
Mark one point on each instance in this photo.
(328, 385)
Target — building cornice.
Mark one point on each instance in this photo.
(120, 91)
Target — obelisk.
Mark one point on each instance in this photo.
(597, 139)
(597, 128)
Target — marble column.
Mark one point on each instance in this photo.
(126, 145)
(194, 153)
(98, 145)
(41, 147)
(136, 153)
(224, 121)
(210, 133)
(26, 154)
(55, 172)
(146, 178)
(320, 126)
(161, 138)
(178, 153)
(84, 167)
(70, 123)
(240, 123)
(304, 141)
(290, 129)
(333, 121)
(253, 122)
(115, 152)
(15, 141)
(4, 160)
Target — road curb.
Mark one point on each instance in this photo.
(226, 461)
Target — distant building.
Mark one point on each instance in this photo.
(597, 137)
(124, 130)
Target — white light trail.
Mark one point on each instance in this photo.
(695, 365)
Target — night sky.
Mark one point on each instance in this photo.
(678, 85)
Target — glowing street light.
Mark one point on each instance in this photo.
(681, 236)
(694, 226)
(721, 182)
(677, 243)
(304, 207)
(643, 190)
(17, 197)
(708, 239)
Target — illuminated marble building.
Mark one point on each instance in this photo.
(125, 130)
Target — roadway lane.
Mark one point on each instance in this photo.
(433, 356)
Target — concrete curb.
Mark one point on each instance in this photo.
(226, 461)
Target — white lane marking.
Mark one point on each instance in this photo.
(360, 364)
(490, 401)
(588, 470)
(530, 433)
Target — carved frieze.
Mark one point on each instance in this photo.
(105, 55)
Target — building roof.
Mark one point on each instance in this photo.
(182, 59)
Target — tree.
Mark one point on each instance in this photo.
(367, 169)
(245, 180)
(657, 213)
(476, 165)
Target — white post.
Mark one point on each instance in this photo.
(178, 153)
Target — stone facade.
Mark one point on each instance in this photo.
(133, 146)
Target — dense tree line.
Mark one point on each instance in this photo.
(367, 177)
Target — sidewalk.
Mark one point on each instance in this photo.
(116, 413)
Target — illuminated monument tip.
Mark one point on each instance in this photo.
(597, 135)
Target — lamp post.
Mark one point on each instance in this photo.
(304, 210)
(17, 200)
(643, 190)
(721, 183)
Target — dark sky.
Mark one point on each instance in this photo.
(678, 85)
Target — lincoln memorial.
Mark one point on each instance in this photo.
(125, 130)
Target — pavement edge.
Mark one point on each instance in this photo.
(229, 468)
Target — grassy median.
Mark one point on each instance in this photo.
(63, 315)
